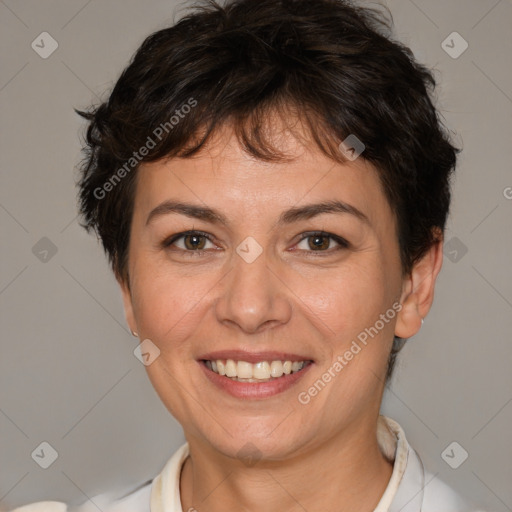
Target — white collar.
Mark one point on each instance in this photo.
(404, 492)
(410, 488)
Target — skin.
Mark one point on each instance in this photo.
(322, 455)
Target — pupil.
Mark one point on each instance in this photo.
(193, 242)
(317, 242)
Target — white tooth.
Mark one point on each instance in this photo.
(296, 366)
(244, 370)
(261, 370)
(230, 368)
(276, 369)
(214, 366)
(221, 367)
(208, 364)
(287, 367)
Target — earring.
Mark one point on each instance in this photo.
(136, 334)
(422, 320)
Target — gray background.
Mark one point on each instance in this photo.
(68, 373)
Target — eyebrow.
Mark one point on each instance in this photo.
(294, 214)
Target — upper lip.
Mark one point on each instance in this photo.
(252, 357)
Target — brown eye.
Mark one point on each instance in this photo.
(318, 242)
(322, 242)
(188, 242)
(194, 242)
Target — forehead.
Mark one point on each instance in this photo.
(223, 176)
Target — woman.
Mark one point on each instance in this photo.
(270, 182)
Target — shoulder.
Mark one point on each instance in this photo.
(43, 506)
(136, 500)
(412, 487)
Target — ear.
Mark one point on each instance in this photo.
(418, 290)
(127, 301)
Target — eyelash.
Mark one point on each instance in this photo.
(342, 243)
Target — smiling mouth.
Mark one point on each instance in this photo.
(262, 371)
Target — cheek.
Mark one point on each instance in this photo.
(347, 299)
(167, 305)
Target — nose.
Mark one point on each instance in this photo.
(253, 297)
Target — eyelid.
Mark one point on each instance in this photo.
(173, 238)
(342, 243)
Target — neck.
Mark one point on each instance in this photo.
(347, 472)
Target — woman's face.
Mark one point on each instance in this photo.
(257, 289)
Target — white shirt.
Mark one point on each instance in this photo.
(410, 488)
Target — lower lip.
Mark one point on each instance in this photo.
(254, 390)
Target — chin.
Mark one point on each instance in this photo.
(270, 439)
